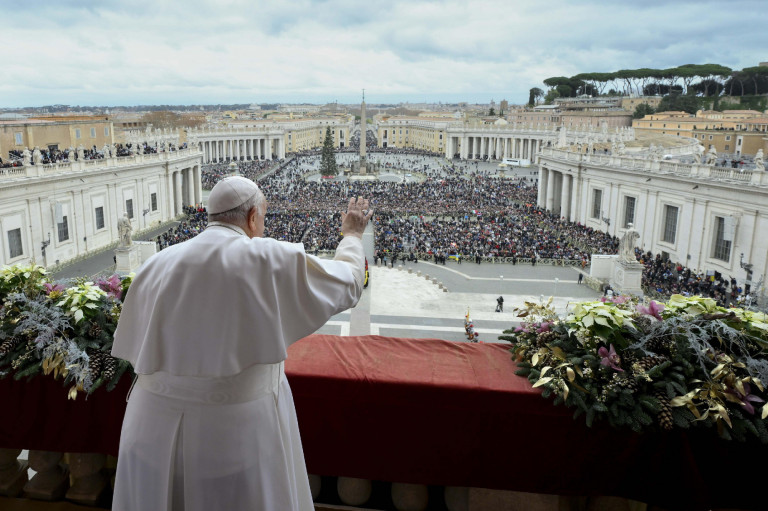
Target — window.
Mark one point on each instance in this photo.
(63, 228)
(670, 224)
(14, 243)
(19, 137)
(153, 201)
(106, 131)
(99, 217)
(722, 240)
(727, 147)
(629, 211)
(597, 202)
(727, 137)
(129, 207)
(77, 133)
(710, 137)
(93, 132)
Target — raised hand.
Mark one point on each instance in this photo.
(355, 219)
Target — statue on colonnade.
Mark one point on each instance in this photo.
(697, 152)
(71, 154)
(26, 157)
(37, 156)
(80, 152)
(627, 245)
(759, 165)
(124, 229)
(711, 155)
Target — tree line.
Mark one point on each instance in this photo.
(704, 80)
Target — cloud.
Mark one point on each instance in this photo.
(207, 51)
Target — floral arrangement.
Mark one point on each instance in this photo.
(67, 332)
(685, 363)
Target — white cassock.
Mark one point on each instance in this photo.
(210, 423)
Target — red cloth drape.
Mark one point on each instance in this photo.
(433, 412)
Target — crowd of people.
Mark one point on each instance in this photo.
(457, 213)
(55, 155)
(663, 278)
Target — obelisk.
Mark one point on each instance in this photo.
(363, 132)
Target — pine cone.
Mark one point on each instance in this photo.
(659, 345)
(8, 345)
(95, 362)
(110, 367)
(643, 323)
(544, 337)
(94, 331)
(648, 363)
(628, 382)
(665, 413)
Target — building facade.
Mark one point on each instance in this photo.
(268, 140)
(483, 140)
(703, 217)
(737, 132)
(50, 214)
(55, 133)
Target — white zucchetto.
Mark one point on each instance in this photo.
(230, 193)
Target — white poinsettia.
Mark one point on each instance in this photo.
(589, 314)
(78, 299)
(755, 319)
(693, 305)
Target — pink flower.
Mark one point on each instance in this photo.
(51, 288)
(746, 398)
(543, 327)
(610, 358)
(617, 299)
(112, 286)
(654, 309)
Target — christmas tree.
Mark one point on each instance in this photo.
(328, 157)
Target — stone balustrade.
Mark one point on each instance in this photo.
(700, 171)
(50, 169)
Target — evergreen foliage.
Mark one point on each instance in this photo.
(64, 332)
(328, 165)
(686, 363)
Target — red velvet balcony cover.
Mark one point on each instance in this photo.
(433, 412)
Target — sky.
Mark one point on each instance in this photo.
(150, 52)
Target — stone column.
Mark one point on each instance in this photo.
(198, 185)
(550, 200)
(575, 199)
(177, 193)
(463, 148)
(52, 478)
(13, 472)
(566, 197)
(90, 482)
(250, 149)
(542, 192)
(478, 141)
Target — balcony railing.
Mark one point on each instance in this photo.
(429, 417)
(51, 169)
(655, 166)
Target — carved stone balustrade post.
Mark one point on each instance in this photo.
(89, 480)
(52, 478)
(13, 472)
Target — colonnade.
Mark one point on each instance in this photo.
(241, 148)
(493, 146)
(557, 192)
(184, 189)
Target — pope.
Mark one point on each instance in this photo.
(210, 422)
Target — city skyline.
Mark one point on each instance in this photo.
(204, 52)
